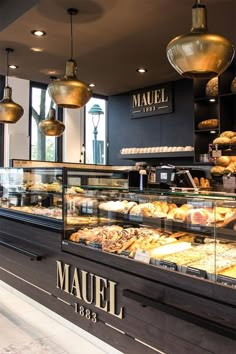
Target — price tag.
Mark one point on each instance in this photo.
(196, 272)
(226, 280)
(229, 182)
(168, 264)
(163, 176)
(142, 256)
(216, 153)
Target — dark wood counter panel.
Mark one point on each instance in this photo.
(162, 310)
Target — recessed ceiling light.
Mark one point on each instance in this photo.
(12, 66)
(91, 85)
(38, 33)
(35, 49)
(52, 72)
(212, 99)
(141, 70)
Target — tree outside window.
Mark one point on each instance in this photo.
(43, 148)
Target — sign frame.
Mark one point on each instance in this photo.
(152, 101)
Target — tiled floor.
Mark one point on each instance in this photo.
(29, 328)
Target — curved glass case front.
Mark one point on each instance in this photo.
(189, 233)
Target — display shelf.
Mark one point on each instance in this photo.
(229, 94)
(206, 130)
(207, 99)
(156, 155)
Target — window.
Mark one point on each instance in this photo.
(43, 148)
(95, 132)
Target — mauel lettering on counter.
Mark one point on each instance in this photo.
(152, 102)
(90, 288)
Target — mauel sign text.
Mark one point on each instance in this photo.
(152, 102)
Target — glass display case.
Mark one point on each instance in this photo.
(190, 233)
(29, 193)
(35, 192)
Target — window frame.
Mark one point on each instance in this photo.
(59, 113)
(2, 144)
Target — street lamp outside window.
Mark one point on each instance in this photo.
(95, 111)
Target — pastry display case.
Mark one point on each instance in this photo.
(28, 193)
(189, 233)
(35, 195)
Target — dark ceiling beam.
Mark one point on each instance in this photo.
(10, 10)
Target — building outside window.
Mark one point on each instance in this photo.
(91, 138)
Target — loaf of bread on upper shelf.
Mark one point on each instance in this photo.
(221, 140)
(208, 124)
(228, 134)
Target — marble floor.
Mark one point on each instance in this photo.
(21, 333)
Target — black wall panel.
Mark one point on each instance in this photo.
(174, 129)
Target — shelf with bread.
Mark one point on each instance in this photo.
(202, 219)
(214, 108)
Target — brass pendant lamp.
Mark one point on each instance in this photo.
(10, 112)
(69, 92)
(200, 54)
(51, 126)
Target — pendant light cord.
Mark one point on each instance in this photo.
(7, 67)
(71, 38)
(8, 50)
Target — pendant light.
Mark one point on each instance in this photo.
(69, 92)
(200, 54)
(10, 112)
(51, 126)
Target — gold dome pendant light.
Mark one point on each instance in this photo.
(10, 112)
(200, 54)
(51, 126)
(69, 92)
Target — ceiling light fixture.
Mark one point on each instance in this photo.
(141, 70)
(200, 54)
(50, 126)
(36, 49)
(69, 92)
(92, 85)
(12, 66)
(38, 33)
(212, 99)
(10, 112)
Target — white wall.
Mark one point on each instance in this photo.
(16, 135)
(73, 136)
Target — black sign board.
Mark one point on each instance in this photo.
(152, 101)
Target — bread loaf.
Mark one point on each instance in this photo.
(218, 170)
(212, 87)
(233, 140)
(223, 161)
(221, 140)
(208, 124)
(228, 134)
